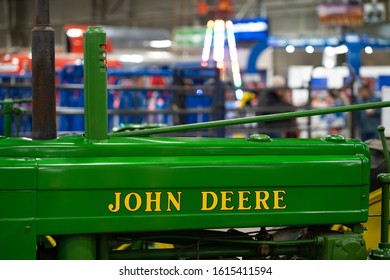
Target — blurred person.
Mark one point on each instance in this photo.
(247, 106)
(368, 120)
(335, 122)
(277, 100)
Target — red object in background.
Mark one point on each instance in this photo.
(20, 62)
(340, 14)
(157, 81)
(74, 34)
(369, 82)
(202, 8)
(224, 10)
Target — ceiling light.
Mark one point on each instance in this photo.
(309, 49)
(330, 51)
(132, 58)
(368, 50)
(74, 32)
(160, 44)
(341, 49)
(290, 48)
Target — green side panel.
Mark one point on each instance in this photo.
(18, 240)
(17, 174)
(18, 225)
(194, 192)
(17, 209)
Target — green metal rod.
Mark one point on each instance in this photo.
(193, 252)
(385, 214)
(381, 130)
(174, 254)
(265, 118)
(385, 190)
(235, 241)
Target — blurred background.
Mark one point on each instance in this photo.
(185, 61)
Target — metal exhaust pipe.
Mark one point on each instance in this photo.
(43, 75)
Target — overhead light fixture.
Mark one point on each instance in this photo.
(329, 57)
(330, 51)
(290, 48)
(368, 50)
(309, 49)
(239, 94)
(219, 40)
(207, 42)
(15, 60)
(74, 32)
(217, 33)
(159, 44)
(341, 49)
(132, 58)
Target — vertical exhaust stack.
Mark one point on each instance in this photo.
(95, 84)
(43, 75)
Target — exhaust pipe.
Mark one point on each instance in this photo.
(43, 75)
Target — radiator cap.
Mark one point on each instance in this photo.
(259, 138)
(335, 138)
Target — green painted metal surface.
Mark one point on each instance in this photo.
(18, 230)
(384, 179)
(95, 84)
(77, 247)
(150, 184)
(77, 146)
(339, 246)
(383, 252)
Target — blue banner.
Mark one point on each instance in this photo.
(250, 29)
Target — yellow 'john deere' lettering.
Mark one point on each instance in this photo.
(241, 200)
(225, 200)
(151, 202)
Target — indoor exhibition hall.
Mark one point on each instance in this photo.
(195, 130)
